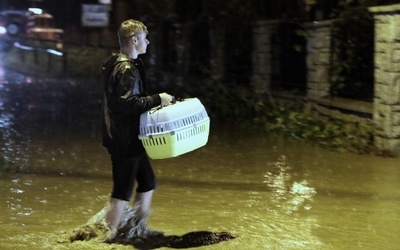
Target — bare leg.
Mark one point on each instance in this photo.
(144, 201)
(137, 225)
(115, 212)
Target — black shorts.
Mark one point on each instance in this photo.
(127, 169)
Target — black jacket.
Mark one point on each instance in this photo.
(125, 99)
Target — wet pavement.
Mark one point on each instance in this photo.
(269, 192)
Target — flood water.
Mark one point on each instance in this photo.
(268, 191)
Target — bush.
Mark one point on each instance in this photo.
(233, 104)
(298, 121)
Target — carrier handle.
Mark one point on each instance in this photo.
(173, 101)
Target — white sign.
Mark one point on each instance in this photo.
(95, 15)
(105, 1)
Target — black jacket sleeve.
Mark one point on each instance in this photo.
(132, 96)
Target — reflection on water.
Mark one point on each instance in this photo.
(270, 192)
(295, 195)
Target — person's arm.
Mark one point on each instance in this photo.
(128, 90)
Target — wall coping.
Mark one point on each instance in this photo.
(362, 108)
(384, 10)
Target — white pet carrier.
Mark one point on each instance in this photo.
(175, 129)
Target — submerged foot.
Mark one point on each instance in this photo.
(140, 229)
(110, 236)
(135, 226)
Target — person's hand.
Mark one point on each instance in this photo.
(165, 99)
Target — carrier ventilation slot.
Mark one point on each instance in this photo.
(154, 142)
(151, 129)
(146, 130)
(188, 120)
(191, 132)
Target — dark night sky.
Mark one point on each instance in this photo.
(67, 12)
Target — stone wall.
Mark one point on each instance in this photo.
(387, 77)
(384, 112)
(262, 55)
(318, 59)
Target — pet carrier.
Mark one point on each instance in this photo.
(175, 129)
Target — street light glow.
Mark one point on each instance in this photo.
(3, 30)
(37, 11)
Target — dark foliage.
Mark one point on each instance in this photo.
(353, 48)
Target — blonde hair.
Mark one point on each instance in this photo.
(128, 29)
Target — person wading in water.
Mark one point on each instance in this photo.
(125, 99)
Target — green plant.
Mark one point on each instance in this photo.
(331, 133)
(231, 104)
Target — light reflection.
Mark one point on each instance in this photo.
(301, 193)
(37, 11)
(18, 206)
(3, 30)
(28, 48)
(2, 74)
(17, 191)
(9, 76)
(292, 194)
(24, 47)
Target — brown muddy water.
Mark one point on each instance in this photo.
(268, 191)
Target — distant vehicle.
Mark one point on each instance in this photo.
(5, 42)
(30, 24)
(42, 26)
(3, 28)
(15, 21)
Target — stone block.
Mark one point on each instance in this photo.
(379, 77)
(381, 20)
(396, 119)
(312, 76)
(316, 82)
(319, 86)
(384, 77)
(392, 145)
(261, 60)
(394, 132)
(387, 88)
(317, 94)
(262, 38)
(381, 116)
(322, 58)
(383, 31)
(322, 73)
(386, 28)
(310, 61)
(396, 55)
(387, 57)
(322, 41)
(386, 120)
(383, 59)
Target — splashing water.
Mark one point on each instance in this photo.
(130, 232)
